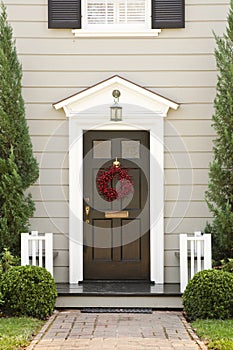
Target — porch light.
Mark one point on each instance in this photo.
(116, 109)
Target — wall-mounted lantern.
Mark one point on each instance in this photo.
(116, 109)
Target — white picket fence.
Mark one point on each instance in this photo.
(195, 256)
(37, 250)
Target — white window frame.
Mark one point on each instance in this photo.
(106, 30)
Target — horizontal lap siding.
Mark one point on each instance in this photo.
(199, 29)
(50, 193)
(163, 78)
(179, 64)
(109, 46)
(184, 95)
(124, 62)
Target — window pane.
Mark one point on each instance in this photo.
(116, 11)
(130, 149)
(102, 149)
(131, 12)
(100, 12)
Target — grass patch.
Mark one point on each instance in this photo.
(17, 332)
(218, 333)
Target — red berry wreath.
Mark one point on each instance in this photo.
(104, 179)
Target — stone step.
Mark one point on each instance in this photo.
(119, 295)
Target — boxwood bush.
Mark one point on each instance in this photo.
(223, 344)
(28, 291)
(209, 294)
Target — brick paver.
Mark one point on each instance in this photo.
(161, 330)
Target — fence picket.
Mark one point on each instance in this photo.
(35, 247)
(198, 247)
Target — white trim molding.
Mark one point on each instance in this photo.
(82, 33)
(142, 110)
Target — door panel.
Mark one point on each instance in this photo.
(102, 238)
(116, 248)
(131, 251)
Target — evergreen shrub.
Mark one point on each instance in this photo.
(209, 294)
(28, 291)
(228, 266)
(18, 166)
(222, 344)
(7, 260)
(220, 185)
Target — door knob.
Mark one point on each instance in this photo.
(87, 212)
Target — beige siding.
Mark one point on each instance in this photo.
(197, 160)
(184, 192)
(53, 177)
(195, 143)
(179, 64)
(53, 160)
(49, 144)
(121, 63)
(106, 46)
(55, 225)
(50, 193)
(183, 225)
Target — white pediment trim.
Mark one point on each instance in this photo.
(101, 95)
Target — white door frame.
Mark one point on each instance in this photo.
(76, 128)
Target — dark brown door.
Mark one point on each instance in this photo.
(116, 233)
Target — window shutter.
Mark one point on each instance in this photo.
(168, 14)
(64, 14)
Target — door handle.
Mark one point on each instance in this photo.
(87, 212)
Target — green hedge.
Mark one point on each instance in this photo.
(28, 291)
(209, 294)
(222, 344)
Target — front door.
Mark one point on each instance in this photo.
(116, 230)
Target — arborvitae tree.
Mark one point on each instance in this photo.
(219, 195)
(15, 143)
(15, 208)
(14, 130)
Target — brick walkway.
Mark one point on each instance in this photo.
(161, 330)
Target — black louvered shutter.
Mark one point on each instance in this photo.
(168, 14)
(64, 14)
